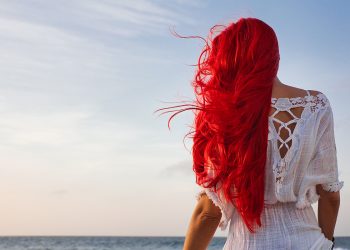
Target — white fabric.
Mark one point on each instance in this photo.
(289, 221)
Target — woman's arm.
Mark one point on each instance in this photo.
(328, 206)
(203, 224)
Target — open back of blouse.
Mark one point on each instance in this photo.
(285, 118)
(301, 154)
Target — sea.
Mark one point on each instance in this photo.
(114, 243)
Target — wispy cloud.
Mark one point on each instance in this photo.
(63, 79)
(195, 3)
(125, 19)
(182, 168)
(59, 192)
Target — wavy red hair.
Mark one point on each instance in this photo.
(233, 88)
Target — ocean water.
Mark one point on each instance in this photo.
(114, 243)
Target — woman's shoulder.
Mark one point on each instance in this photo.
(319, 108)
(318, 93)
(293, 92)
(319, 100)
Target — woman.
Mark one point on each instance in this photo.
(263, 151)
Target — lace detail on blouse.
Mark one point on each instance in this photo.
(333, 187)
(318, 102)
(309, 103)
(314, 101)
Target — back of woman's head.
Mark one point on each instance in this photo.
(233, 87)
(242, 50)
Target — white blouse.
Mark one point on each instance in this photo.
(290, 180)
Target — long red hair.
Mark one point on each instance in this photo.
(233, 88)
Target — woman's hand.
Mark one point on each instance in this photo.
(203, 224)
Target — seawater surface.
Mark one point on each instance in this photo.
(114, 243)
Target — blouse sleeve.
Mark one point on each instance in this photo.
(324, 161)
(219, 201)
(226, 209)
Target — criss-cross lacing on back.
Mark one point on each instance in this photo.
(285, 131)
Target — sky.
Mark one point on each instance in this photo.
(81, 151)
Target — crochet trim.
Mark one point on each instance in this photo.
(333, 187)
(315, 101)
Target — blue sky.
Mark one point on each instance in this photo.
(81, 152)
